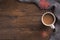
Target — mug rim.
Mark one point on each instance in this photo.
(52, 15)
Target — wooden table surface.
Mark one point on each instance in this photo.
(21, 21)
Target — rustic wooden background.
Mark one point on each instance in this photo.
(21, 21)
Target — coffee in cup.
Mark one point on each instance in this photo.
(48, 19)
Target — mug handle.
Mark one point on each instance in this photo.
(52, 26)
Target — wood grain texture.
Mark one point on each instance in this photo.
(21, 21)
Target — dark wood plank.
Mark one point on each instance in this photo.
(21, 21)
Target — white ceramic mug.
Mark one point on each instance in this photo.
(52, 24)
